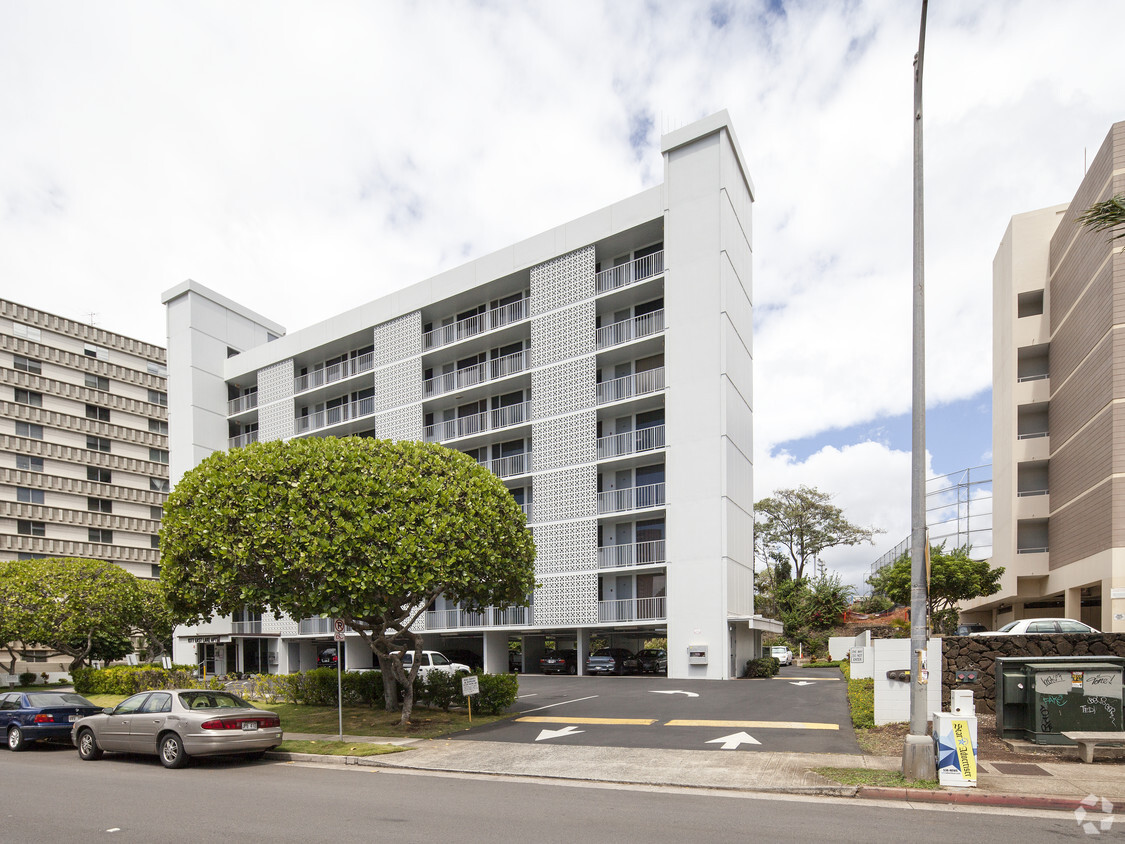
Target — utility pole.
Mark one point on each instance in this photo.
(918, 751)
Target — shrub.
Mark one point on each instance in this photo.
(27, 678)
(442, 689)
(130, 679)
(765, 666)
(497, 692)
(318, 687)
(861, 697)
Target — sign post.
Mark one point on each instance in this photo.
(338, 637)
(470, 686)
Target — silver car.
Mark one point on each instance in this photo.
(176, 724)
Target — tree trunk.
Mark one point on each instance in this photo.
(390, 686)
(408, 685)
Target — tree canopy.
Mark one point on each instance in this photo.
(77, 607)
(367, 530)
(1105, 216)
(800, 524)
(954, 577)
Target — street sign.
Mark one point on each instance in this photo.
(470, 685)
(338, 628)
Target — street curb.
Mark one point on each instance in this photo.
(969, 798)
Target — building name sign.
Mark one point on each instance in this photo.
(208, 640)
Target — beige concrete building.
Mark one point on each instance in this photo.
(1059, 411)
(83, 445)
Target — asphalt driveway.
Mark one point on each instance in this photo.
(800, 710)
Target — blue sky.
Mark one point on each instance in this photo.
(307, 158)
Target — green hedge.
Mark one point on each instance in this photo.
(130, 679)
(765, 666)
(497, 692)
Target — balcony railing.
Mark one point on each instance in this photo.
(335, 372)
(478, 373)
(316, 624)
(631, 609)
(491, 617)
(631, 498)
(649, 381)
(490, 420)
(630, 273)
(335, 415)
(1038, 376)
(246, 627)
(476, 324)
(526, 510)
(634, 554)
(243, 439)
(631, 442)
(1027, 492)
(241, 403)
(1032, 436)
(507, 467)
(1036, 550)
(631, 329)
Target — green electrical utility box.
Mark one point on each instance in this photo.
(1039, 698)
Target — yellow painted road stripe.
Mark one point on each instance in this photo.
(643, 722)
(756, 725)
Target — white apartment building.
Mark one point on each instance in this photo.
(1058, 390)
(83, 445)
(602, 369)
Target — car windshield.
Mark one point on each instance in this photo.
(57, 699)
(1007, 627)
(212, 700)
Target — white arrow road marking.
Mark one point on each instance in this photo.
(673, 692)
(565, 731)
(732, 741)
(802, 683)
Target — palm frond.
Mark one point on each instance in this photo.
(1106, 215)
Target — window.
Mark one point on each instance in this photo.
(157, 369)
(154, 541)
(99, 475)
(27, 365)
(28, 463)
(158, 485)
(99, 505)
(101, 535)
(25, 429)
(158, 427)
(31, 528)
(92, 351)
(156, 572)
(158, 702)
(97, 443)
(29, 397)
(99, 413)
(155, 511)
(29, 496)
(158, 397)
(158, 455)
(97, 382)
(30, 332)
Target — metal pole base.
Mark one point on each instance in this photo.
(918, 762)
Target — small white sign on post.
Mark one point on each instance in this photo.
(470, 685)
(338, 629)
(855, 655)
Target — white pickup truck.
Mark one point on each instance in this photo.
(782, 654)
(433, 661)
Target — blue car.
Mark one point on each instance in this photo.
(33, 716)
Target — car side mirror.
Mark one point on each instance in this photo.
(108, 710)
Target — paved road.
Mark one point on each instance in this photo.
(50, 795)
(801, 710)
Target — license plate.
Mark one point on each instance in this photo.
(72, 718)
(249, 726)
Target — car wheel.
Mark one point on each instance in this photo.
(572, 670)
(16, 741)
(172, 753)
(88, 749)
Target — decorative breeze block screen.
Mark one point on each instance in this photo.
(565, 388)
(398, 338)
(275, 414)
(566, 547)
(567, 599)
(402, 424)
(560, 281)
(397, 385)
(570, 494)
(565, 440)
(564, 334)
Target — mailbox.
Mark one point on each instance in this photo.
(697, 654)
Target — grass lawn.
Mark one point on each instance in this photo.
(358, 720)
(338, 748)
(872, 776)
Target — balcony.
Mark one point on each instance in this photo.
(509, 467)
(479, 373)
(641, 269)
(630, 556)
(631, 442)
(526, 510)
(242, 403)
(643, 383)
(491, 617)
(1033, 504)
(246, 627)
(474, 325)
(314, 626)
(243, 439)
(466, 426)
(335, 415)
(632, 609)
(627, 330)
(335, 372)
(631, 498)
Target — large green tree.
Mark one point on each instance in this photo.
(71, 605)
(800, 524)
(156, 622)
(954, 577)
(370, 531)
(1106, 216)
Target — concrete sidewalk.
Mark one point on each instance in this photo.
(1049, 784)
